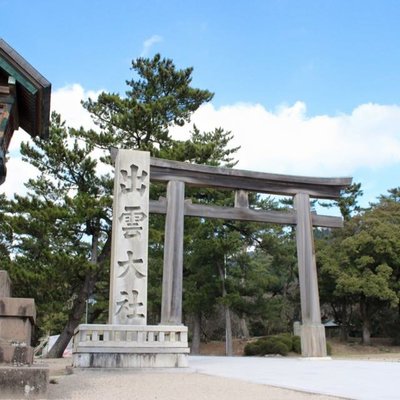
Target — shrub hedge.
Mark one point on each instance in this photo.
(277, 344)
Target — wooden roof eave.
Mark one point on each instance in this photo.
(33, 91)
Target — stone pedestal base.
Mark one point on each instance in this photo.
(313, 342)
(130, 346)
(23, 382)
(126, 360)
(17, 317)
(16, 355)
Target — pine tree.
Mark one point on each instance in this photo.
(61, 230)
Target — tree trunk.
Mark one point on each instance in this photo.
(344, 326)
(366, 323)
(78, 310)
(228, 335)
(244, 330)
(79, 305)
(195, 347)
(344, 333)
(228, 325)
(366, 332)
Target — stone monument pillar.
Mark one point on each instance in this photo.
(127, 341)
(128, 289)
(171, 302)
(313, 342)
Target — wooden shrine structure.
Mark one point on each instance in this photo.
(24, 100)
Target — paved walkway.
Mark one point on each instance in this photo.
(351, 379)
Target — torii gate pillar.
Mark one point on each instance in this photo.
(313, 342)
(171, 305)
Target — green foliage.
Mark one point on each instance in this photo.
(392, 196)
(365, 255)
(252, 349)
(158, 97)
(286, 338)
(60, 232)
(360, 264)
(297, 344)
(276, 344)
(272, 291)
(348, 201)
(55, 241)
(209, 148)
(58, 229)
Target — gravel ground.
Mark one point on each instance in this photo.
(160, 385)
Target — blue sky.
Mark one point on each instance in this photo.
(306, 87)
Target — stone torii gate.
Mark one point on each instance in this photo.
(127, 340)
(178, 174)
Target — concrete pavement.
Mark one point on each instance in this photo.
(350, 379)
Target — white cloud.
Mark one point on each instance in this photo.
(149, 43)
(19, 136)
(67, 102)
(286, 140)
(18, 172)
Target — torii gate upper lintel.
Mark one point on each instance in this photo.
(179, 174)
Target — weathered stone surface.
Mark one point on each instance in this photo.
(16, 355)
(129, 360)
(13, 329)
(17, 317)
(5, 284)
(23, 382)
(17, 307)
(128, 288)
(130, 346)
